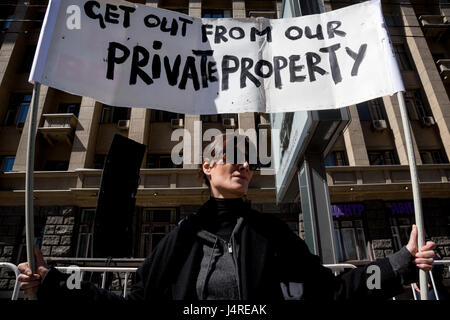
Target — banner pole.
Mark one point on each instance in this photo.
(416, 191)
(29, 175)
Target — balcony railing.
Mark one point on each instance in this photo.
(175, 186)
(364, 182)
(444, 69)
(434, 26)
(59, 127)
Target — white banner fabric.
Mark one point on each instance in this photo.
(132, 55)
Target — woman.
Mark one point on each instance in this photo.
(227, 250)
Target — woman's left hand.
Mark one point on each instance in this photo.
(425, 257)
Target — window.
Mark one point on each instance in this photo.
(417, 108)
(384, 157)
(17, 110)
(401, 53)
(7, 163)
(209, 13)
(161, 161)
(164, 116)
(336, 158)
(99, 161)
(4, 25)
(433, 156)
(393, 20)
(85, 233)
(400, 229)
(156, 223)
(112, 114)
(27, 60)
(69, 108)
(6, 13)
(262, 13)
(350, 240)
(180, 10)
(371, 110)
(56, 165)
(211, 118)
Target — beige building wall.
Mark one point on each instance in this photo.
(140, 127)
(83, 149)
(428, 74)
(239, 9)
(190, 120)
(395, 121)
(354, 140)
(21, 156)
(11, 49)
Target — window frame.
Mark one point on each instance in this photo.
(217, 13)
(416, 105)
(393, 157)
(157, 116)
(65, 108)
(87, 249)
(157, 158)
(114, 115)
(146, 233)
(360, 247)
(374, 109)
(403, 58)
(3, 160)
(18, 101)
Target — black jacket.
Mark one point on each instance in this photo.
(274, 264)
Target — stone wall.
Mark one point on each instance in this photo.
(443, 244)
(382, 248)
(58, 240)
(7, 278)
(11, 227)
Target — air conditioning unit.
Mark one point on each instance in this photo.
(428, 121)
(379, 125)
(123, 124)
(264, 120)
(19, 125)
(177, 123)
(228, 123)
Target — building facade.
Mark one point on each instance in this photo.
(367, 170)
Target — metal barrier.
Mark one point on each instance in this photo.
(438, 262)
(13, 267)
(104, 270)
(336, 268)
(339, 267)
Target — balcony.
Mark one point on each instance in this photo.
(59, 127)
(163, 187)
(433, 26)
(444, 69)
(391, 181)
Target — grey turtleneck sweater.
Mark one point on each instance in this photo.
(218, 277)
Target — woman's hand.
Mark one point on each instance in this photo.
(425, 257)
(30, 282)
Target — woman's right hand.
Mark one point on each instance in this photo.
(30, 282)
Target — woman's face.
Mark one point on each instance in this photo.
(228, 180)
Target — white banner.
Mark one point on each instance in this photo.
(132, 55)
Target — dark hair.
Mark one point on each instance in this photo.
(219, 143)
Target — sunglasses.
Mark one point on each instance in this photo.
(236, 152)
